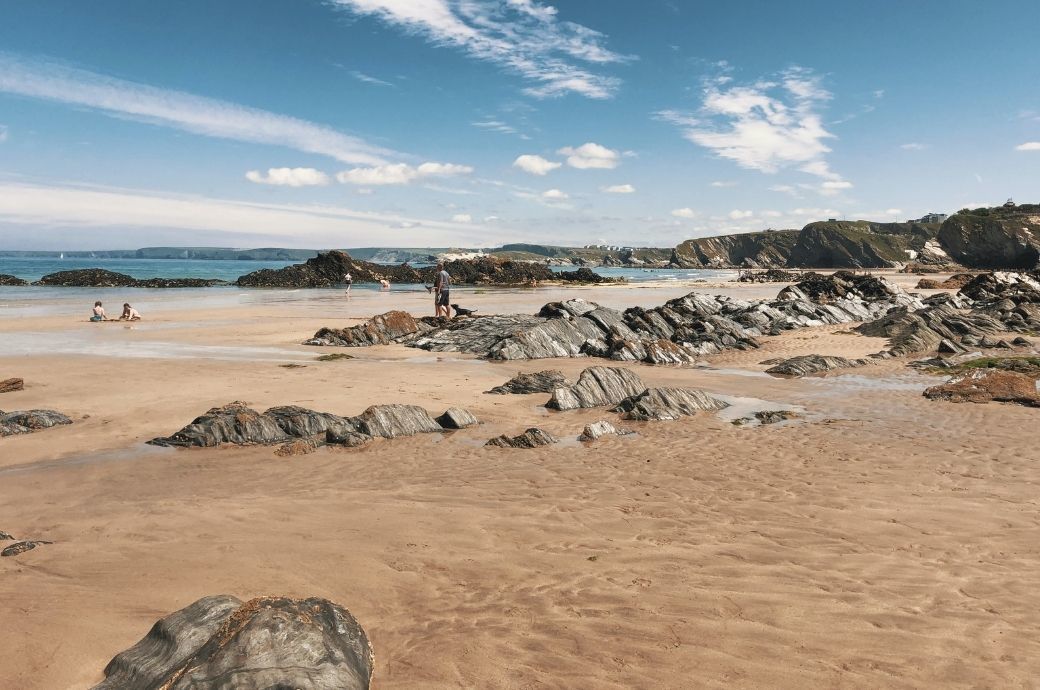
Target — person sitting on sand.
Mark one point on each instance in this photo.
(129, 313)
(99, 312)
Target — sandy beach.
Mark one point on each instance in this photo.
(880, 540)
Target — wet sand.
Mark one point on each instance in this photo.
(882, 540)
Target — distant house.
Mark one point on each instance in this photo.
(931, 218)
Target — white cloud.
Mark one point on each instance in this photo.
(368, 79)
(768, 125)
(536, 165)
(913, 146)
(1029, 146)
(400, 173)
(462, 218)
(722, 183)
(738, 214)
(833, 187)
(555, 195)
(619, 189)
(685, 213)
(590, 155)
(289, 177)
(180, 110)
(105, 208)
(521, 36)
(495, 126)
(772, 214)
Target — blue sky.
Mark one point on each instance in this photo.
(320, 123)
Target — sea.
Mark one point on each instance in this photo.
(34, 268)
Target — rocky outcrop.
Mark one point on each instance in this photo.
(383, 329)
(266, 643)
(538, 382)
(825, 289)
(1001, 237)
(954, 282)
(596, 387)
(28, 421)
(858, 244)
(22, 547)
(11, 385)
(11, 281)
(988, 385)
(532, 438)
(923, 330)
(585, 276)
(99, 277)
(806, 365)
(749, 250)
(665, 404)
(775, 416)
(773, 275)
(598, 430)
(236, 423)
(327, 270)
(487, 270)
(457, 418)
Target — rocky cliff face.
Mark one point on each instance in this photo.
(859, 244)
(751, 250)
(994, 237)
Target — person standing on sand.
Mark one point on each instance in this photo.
(348, 280)
(441, 292)
(99, 312)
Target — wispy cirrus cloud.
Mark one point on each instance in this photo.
(522, 36)
(369, 79)
(768, 125)
(210, 117)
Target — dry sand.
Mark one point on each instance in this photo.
(882, 541)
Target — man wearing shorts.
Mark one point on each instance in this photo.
(442, 292)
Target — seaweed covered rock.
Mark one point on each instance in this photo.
(28, 421)
(489, 270)
(327, 270)
(379, 330)
(539, 382)
(266, 643)
(532, 438)
(805, 365)
(99, 277)
(11, 281)
(988, 385)
(597, 386)
(816, 287)
(661, 404)
(585, 276)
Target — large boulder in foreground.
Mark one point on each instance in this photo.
(266, 643)
(597, 386)
(805, 365)
(379, 330)
(987, 385)
(233, 423)
(664, 404)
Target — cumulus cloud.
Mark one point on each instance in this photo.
(619, 189)
(737, 214)
(289, 177)
(590, 155)
(555, 195)
(180, 110)
(521, 36)
(1029, 146)
(684, 213)
(768, 125)
(536, 165)
(723, 183)
(462, 218)
(400, 173)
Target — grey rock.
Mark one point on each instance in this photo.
(597, 430)
(457, 418)
(4, 536)
(233, 423)
(775, 416)
(379, 330)
(267, 643)
(805, 365)
(1022, 342)
(11, 385)
(539, 382)
(301, 422)
(394, 421)
(597, 386)
(532, 438)
(660, 404)
(346, 436)
(948, 347)
(22, 547)
(28, 421)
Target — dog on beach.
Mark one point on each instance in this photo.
(459, 311)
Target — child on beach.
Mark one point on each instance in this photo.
(129, 313)
(99, 312)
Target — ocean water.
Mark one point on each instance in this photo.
(35, 268)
